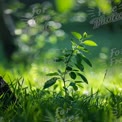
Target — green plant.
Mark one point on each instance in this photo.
(73, 59)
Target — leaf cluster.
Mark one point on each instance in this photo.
(73, 73)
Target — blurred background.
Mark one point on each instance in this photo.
(33, 32)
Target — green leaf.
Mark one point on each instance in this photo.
(50, 82)
(55, 86)
(59, 71)
(78, 59)
(87, 61)
(68, 68)
(80, 67)
(72, 75)
(83, 77)
(74, 86)
(59, 59)
(71, 84)
(52, 74)
(75, 52)
(74, 45)
(85, 35)
(89, 43)
(66, 55)
(77, 35)
(65, 88)
(79, 85)
(79, 47)
(75, 70)
(78, 81)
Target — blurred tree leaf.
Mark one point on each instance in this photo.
(64, 5)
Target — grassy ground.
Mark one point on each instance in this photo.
(99, 101)
(41, 106)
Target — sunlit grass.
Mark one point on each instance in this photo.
(96, 101)
(98, 77)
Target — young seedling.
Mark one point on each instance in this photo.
(73, 60)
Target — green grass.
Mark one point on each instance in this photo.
(43, 105)
(99, 101)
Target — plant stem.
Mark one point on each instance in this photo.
(65, 72)
(64, 77)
